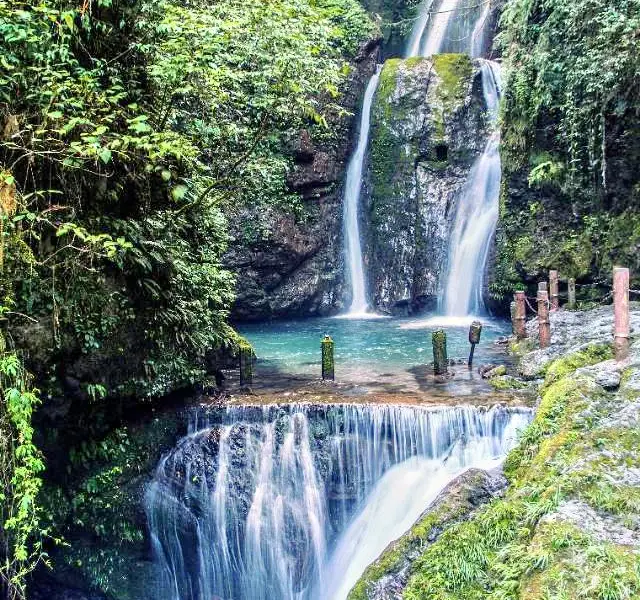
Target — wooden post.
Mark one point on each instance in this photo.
(328, 364)
(553, 290)
(543, 318)
(542, 286)
(621, 312)
(571, 293)
(246, 364)
(440, 359)
(512, 310)
(520, 320)
(475, 331)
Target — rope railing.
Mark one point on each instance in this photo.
(548, 301)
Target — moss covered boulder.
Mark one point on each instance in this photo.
(386, 578)
(428, 125)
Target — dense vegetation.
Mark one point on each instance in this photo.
(128, 130)
(571, 138)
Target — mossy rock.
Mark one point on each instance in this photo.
(455, 504)
(576, 453)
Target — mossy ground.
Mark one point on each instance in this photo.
(509, 550)
(516, 547)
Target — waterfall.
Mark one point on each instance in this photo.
(293, 502)
(417, 33)
(429, 34)
(479, 31)
(353, 187)
(476, 215)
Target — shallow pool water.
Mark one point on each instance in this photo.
(370, 352)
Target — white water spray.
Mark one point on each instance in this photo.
(353, 188)
(293, 502)
(476, 215)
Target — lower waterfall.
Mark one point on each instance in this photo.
(293, 502)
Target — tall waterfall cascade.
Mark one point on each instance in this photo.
(353, 188)
(293, 502)
(476, 214)
(441, 26)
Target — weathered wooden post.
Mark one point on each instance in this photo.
(621, 312)
(328, 364)
(512, 312)
(520, 319)
(544, 325)
(571, 294)
(475, 331)
(440, 359)
(246, 363)
(553, 290)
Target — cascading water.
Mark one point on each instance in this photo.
(293, 502)
(353, 187)
(432, 31)
(476, 215)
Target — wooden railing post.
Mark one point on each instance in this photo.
(543, 318)
(520, 318)
(328, 363)
(440, 359)
(621, 312)
(571, 294)
(554, 290)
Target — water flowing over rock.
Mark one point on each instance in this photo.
(353, 187)
(476, 214)
(269, 502)
(429, 123)
(287, 266)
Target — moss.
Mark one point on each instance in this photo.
(591, 355)
(507, 382)
(535, 235)
(454, 72)
(508, 550)
(561, 555)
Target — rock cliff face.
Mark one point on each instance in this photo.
(428, 125)
(293, 266)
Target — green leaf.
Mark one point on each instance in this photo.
(105, 155)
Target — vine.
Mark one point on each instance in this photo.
(21, 465)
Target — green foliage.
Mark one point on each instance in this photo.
(570, 140)
(99, 505)
(128, 130)
(21, 465)
(572, 81)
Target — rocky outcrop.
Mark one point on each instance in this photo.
(429, 123)
(288, 265)
(387, 577)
